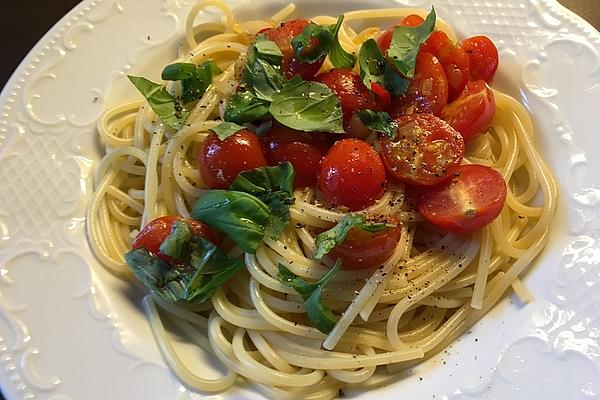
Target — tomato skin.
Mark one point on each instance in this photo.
(365, 250)
(352, 175)
(303, 150)
(157, 230)
(220, 161)
(483, 57)
(470, 200)
(426, 150)
(282, 36)
(385, 39)
(472, 113)
(427, 92)
(350, 89)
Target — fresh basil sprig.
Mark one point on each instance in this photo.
(374, 68)
(307, 106)
(327, 240)
(379, 122)
(406, 42)
(318, 313)
(339, 57)
(226, 129)
(195, 79)
(175, 244)
(203, 269)
(313, 43)
(168, 107)
(262, 73)
(245, 107)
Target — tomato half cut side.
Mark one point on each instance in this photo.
(367, 250)
(483, 57)
(425, 152)
(472, 113)
(469, 201)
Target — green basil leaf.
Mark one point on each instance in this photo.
(156, 275)
(175, 244)
(379, 122)
(241, 216)
(178, 71)
(266, 80)
(327, 240)
(318, 313)
(374, 68)
(312, 44)
(195, 79)
(226, 129)
(307, 106)
(339, 57)
(168, 108)
(406, 42)
(245, 107)
(268, 51)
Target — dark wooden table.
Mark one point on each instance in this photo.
(24, 22)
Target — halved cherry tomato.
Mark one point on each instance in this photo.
(352, 175)
(454, 60)
(472, 113)
(386, 37)
(427, 92)
(483, 57)
(365, 250)
(282, 36)
(350, 89)
(302, 149)
(157, 230)
(220, 161)
(383, 96)
(426, 150)
(466, 203)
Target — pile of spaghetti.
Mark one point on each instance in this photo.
(426, 202)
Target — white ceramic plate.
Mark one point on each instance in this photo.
(69, 330)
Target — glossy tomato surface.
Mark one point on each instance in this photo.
(282, 36)
(366, 250)
(352, 175)
(157, 230)
(483, 57)
(425, 152)
(470, 200)
(472, 113)
(303, 150)
(427, 92)
(220, 161)
(386, 37)
(350, 89)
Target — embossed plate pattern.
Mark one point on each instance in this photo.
(69, 330)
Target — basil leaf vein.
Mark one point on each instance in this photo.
(379, 122)
(245, 107)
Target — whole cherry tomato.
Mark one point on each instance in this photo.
(220, 161)
(352, 175)
(425, 152)
(483, 57)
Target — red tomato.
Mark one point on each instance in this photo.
(383, 96)
(483, 57)
(472, 113)
(386, 37)
(352, 175)
(454, 60)
(426, 150)
(427, 92)
(282, 36)
(365, 250)
(220, 161)
(350, 89)
(157, 230)
(302, 149)
(466, 203)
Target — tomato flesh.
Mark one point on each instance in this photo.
(282, 36)
(483, 57)
(425, 152)
(302, 149)
(352, 175)
(365, 250)
(157, 230)
(351, 91)
(470, 200)
(472, 113)
(220, 161)
(427, 92)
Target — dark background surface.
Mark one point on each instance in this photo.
(19, 30)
